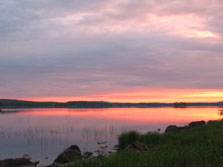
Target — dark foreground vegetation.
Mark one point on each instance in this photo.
(5, 103)
(199, 144)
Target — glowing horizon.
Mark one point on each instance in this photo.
(161, 95)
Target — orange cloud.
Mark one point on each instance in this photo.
(149, 95)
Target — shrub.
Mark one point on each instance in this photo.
(127, 138)
(151, 138)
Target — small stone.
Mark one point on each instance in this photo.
(26, 156)
(95, 154)
(103, 146)
(116, 147)
(112, 151)
(102, 142)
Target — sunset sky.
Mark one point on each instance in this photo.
(111, 50)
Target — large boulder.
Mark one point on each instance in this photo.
(70, 154)
(196, 123)
(172, 128)
(18, 162)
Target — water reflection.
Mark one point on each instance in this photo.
(47, 132)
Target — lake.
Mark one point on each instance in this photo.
(44, 133)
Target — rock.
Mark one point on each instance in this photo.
(183, 128)
(197, 123)
(115, 147)
(139, 146)
(18, 162)
(172, 128)
(87, 154)
(112, 151)
(70, 154)
(101, 142)
(26, 156)
(130, 147)
(103, 146)
(97, 154)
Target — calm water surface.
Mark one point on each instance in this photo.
(45, 133)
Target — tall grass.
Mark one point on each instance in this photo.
(128, 138)
(197, 147)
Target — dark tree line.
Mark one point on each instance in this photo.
(0, 106)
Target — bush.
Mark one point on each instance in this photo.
(127, 138)
(151, 138)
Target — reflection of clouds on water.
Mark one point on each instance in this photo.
(47, 132)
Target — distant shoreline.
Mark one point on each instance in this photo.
(7, 103)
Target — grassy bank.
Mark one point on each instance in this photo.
(195, 147)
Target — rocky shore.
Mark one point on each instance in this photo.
(73, 153)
